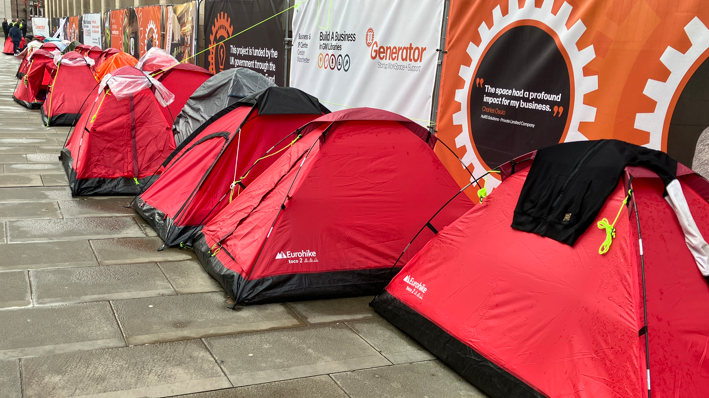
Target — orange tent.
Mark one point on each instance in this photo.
(114, 62)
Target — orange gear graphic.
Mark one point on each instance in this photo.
(150, 32)
(221, 29)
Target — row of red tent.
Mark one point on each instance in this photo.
(282, 200)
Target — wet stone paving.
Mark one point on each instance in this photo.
(90, 308)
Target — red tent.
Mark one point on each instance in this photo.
(199, 178)
(521, 315)
(73, 83)
(8, 48)
(82, 48)
(122, 139)
(94, 53)
(32, 88)
(156, 58)
(332, 214)
(182, 80)
(105, 54)
(24, 64)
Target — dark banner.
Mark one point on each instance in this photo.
(133, 31)
(54, 26)
(260, 48)
(106, 30)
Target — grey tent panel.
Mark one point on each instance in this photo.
(215, 94)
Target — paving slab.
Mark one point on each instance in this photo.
(10, 379)
(42, 157)
(12, 158)
(15, 210)
(71, 229)
(136, 250)
(52, 255)
(54, 180)
(34, 168)
(27, 141)
(256, 358)
(57, 329)
(421, 379)
(34, 194)
(310, 387)
(189, 277)
(149, 231)
(49, 149)
(17, 150)
(74, 285)
(159, 319)
(20, 180)
(14, 289)
(156, 370)
(89, 207)
(394, 344)
(335, 310)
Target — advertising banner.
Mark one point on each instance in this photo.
(132, 30)
(91, 26)
(260, 48)
(149, 28)
(179, 32)
(40, 27)
(521, 75)
(119, 29)
(368, 53)
(73, 29)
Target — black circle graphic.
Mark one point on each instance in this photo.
(346, 65)
(526, 63)
(339, 62)
(689, 117)
(333, 61)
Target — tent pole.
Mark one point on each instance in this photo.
(439, 67)
(644, 330)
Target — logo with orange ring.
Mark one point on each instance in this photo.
(221, 30)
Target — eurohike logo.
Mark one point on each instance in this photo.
(399, 52)
(221, 29)
(416, 288)
(303, 256)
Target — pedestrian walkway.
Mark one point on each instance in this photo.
(89, 307)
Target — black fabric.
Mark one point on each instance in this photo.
(568, 184)
(62, 119)
(291, 287)
(5, 28)
(478, 370)
(30, 105)
(15, 34)
(164, 226)
(101, 186)
(284, 101)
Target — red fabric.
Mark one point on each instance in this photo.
(182, 80)
(70, 88)
(677, 294)
(24, 65)
(101, 144)
(94, 53)
(361, 195)
(185, 174)
(33, 87)
(563, 319)
(8, 49)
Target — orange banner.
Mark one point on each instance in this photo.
(118, 29)
(149, 24)
(72, 29)
(521, 75)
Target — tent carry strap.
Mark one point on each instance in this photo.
(93, 118)
(610, 228)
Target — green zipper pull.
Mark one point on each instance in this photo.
(136, 181)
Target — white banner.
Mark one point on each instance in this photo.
(91, 25)
(373, 53)
(40, 27)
